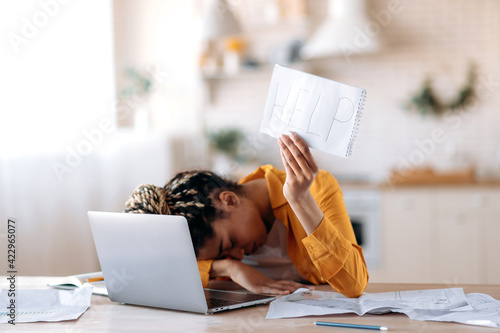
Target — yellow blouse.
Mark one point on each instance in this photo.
(330, 254)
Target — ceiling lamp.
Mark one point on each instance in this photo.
(346, 31)
(219, 21)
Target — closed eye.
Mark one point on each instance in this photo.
(223, 249)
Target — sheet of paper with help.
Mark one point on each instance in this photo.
(450, 304)
(323, 112)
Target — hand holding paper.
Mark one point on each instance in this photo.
(301, 170)
(300, 166)
(323, 112)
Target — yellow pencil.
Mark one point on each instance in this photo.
(95, 279)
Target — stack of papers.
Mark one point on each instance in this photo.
(45, 305)
(449, 304)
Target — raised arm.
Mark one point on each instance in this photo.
(301, 170)
(319, 206)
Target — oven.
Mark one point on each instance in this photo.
(364, 209)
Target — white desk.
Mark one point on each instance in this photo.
(107, 316)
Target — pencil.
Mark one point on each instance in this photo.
(95, 279)
(366, 327)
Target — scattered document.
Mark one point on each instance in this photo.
(305, 302)
(33, 305)
(323, 112)
(486, 312)
(450, 305)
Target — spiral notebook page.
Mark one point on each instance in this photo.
(323, 112)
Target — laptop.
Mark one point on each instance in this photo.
(149, 260)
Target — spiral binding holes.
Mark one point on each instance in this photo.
(357, 120)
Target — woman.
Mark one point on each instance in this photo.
(297, 218)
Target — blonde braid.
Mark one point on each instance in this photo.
(148, 199)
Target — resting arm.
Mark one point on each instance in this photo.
(251, 279)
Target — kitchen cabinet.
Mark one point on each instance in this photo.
(406, 236)
(468, 229)
(440, 234)
(492, 231)
(460, 220)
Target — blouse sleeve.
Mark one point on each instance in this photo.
(332, 246)
(204, 267)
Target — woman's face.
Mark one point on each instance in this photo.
(240, 233)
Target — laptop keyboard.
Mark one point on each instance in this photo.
(218, 302)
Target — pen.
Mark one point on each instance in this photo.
(366, 327)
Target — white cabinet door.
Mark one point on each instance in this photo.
(492, 230)
(459, 219)
(407, 236)
(445, 235)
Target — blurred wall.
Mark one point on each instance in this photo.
(161, 39)
(422, 39)
(60, 151)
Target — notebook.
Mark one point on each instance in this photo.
(149, 260)
(325, 113)
(94, 280)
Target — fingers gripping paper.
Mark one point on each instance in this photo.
(323, 112)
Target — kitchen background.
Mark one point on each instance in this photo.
(128, 92)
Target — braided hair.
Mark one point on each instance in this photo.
(190, 194)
